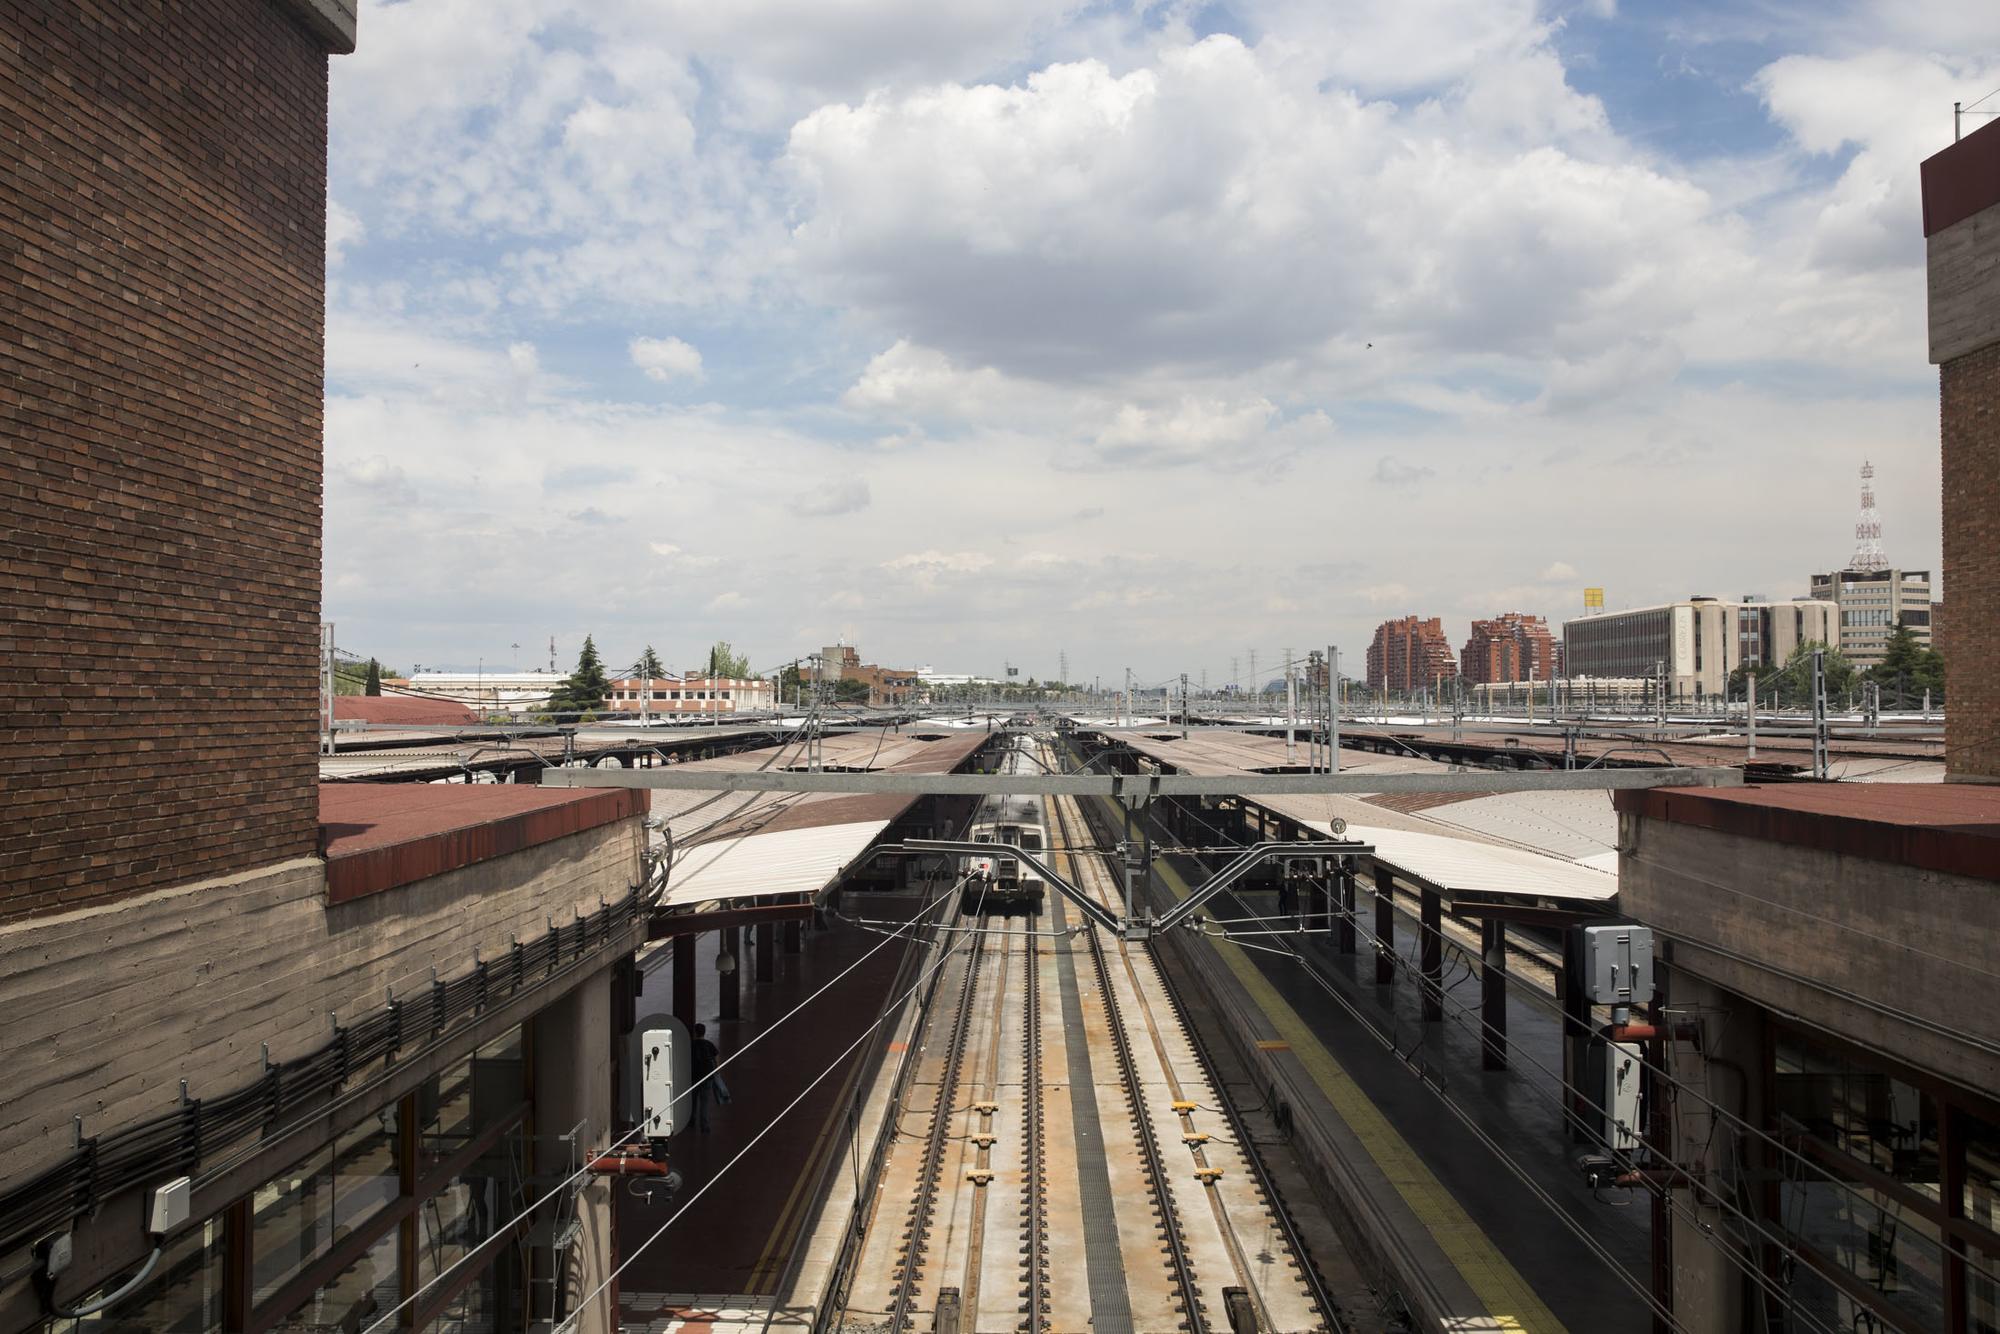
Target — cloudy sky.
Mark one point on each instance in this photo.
(1154, 333)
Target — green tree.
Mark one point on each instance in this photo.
(1908, 669)
(373, 686)
(649, 665)
(848, 691)
(724, 661)
(585, 689)
(1792, 683)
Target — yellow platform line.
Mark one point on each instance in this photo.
(1509, 1299)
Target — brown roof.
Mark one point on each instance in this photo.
(1948, 827)
(400, 709)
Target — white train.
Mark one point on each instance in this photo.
(999, 883)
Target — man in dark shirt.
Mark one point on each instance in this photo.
(703, 1056)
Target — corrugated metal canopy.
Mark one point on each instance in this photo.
(787, 861)
(1460, 870)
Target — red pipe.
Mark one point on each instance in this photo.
(629, 1165)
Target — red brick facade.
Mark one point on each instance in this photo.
(1969, 415)
(162, 269)
(1408, 654)
(1510, 647)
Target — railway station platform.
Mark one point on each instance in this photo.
(733, 1229)
(1469, 1244)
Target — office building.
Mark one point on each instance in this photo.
(1871, 604)
(1697, 643)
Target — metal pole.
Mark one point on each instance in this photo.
(1291, 709)
(326, 650)
(1750, 696)
(1332, 709)
(1819, 712)
(1184, 706)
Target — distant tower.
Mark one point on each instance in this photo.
(1868, 557)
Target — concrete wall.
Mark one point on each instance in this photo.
(106, 1009)
(572, 1089)
(1869, 933)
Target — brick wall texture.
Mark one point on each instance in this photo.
(1969, 413)
(162, 273)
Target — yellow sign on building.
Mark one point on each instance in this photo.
(1593, 599)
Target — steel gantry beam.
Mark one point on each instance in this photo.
(1139, 787)
(1138, 927)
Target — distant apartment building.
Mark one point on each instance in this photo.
(1872, 603)
(1697, 642)
(887, 686)
(1409, 653)
(689, 694)
(1510, 647)
(485, 693)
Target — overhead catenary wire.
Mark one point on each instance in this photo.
(916, 919)
(570, 1323)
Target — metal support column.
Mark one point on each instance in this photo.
(1344, 924)
(1385, 926)
(767, 940)
(1432, 954)
(1493, 992)
(729, 985)
(684, 966)
(1576, 1037)
(792, 934)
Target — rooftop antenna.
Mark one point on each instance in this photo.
(1868, 557)
(552, 653)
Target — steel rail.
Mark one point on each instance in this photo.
(1033, 1183)
(932, 1165)
(1149, 1147)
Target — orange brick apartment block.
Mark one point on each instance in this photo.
(1510, 647)
(1409, 653)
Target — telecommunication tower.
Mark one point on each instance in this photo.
(1868, 557)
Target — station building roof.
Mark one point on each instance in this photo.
(1553, 847)
(731, 845)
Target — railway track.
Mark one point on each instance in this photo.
(1061, 1161)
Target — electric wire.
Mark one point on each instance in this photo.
(570, 1322)
(916, 919)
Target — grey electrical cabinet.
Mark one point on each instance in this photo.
(1618, 964)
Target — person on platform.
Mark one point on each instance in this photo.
(704, 1056)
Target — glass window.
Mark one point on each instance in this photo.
(1885, 1245)
(470, 1208)
(1870, 1116)
(444, 1115)
(365, 1174)
(184, 1296)
(291, 1223)
(1981, 1196)
(362, 1293)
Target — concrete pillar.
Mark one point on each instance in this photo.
(1385, 926)
(793, 934)
(684, 976)
(1432, 955)
(573, 1091)
(729, 985)
(1493, 993)
(767, 939)
(1344, 927)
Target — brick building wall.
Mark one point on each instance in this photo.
(1961, 195)
(162, 265)
(1969, 418)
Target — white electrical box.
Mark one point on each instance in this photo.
(168, 1207)
(1618, 964)
(665, 1065)
(1621, 1096)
